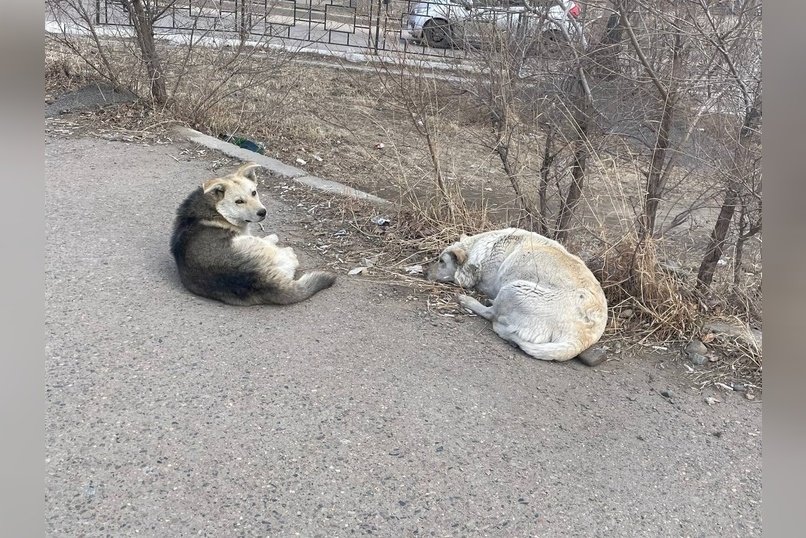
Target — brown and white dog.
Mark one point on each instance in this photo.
(218, 258)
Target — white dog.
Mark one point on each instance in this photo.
(544, 299)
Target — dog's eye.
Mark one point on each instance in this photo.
(239, 201)
(254, 193)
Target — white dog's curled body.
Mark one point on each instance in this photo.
(544, 299)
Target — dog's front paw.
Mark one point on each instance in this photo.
(272, 238)
(464, 300)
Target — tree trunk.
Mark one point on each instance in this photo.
(605, 57)
(577, 178)
(739, 250)
(715, 248)
(542, 189)
(656, 178)
(143, 26)
(654, 181)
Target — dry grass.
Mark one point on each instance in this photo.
(653, 298)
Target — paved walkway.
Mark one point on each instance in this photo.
(355, 412)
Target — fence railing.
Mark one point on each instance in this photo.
(430, 28)
(370, 25)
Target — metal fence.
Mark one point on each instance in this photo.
(369, 25)
(424, 27)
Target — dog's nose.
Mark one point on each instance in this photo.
(261, 212)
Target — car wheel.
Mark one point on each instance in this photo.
(437, 33)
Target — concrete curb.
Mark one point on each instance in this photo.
(278, 169)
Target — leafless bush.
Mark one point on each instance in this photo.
(205, 78)
(617, 142)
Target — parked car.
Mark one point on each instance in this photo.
(446, 23)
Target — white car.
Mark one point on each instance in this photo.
(444, 23)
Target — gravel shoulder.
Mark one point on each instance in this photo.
(357, 412)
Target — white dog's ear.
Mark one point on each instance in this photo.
(216, 185)
(463, 237)
(248, 171)
(459, 254)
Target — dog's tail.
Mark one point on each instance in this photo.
(299, 290)
(551, 351)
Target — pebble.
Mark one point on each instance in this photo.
(627, 313)
(697, 359)
(696, 347)
(593, 356)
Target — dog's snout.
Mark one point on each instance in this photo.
(430, 271)
(261, 212)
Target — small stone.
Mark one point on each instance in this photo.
(593, 356)
(666, 394)
(627, 313)
(697, 359)
(695, 346)
(750, 396)
(739, 387)
(710, 400)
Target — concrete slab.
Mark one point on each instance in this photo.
(278, 169)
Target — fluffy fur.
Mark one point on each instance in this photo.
(218, 258)
(544, 299)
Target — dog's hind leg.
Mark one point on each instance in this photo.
(466, 301)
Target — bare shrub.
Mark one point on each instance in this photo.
(217, 82)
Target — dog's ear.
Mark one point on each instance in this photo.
(459, 254)
(463, 237)
(215, 185)
(248, 171)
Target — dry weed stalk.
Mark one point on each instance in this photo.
(632, 278)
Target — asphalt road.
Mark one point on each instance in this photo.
(354, 413)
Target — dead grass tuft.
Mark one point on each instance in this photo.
(644, 295)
